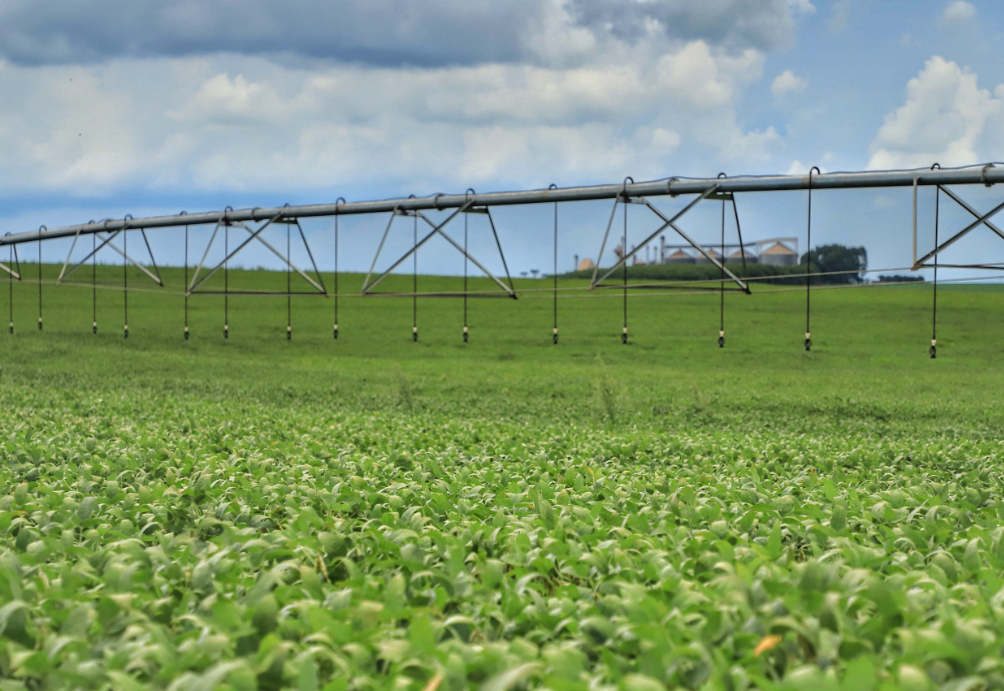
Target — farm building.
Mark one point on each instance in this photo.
(586, 264)
(679, 257)
(701, 259)
(779, 254)
(737, 257)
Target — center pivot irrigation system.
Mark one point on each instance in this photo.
(252, 223)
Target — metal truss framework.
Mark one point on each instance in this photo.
(721, 188)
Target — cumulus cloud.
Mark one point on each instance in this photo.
(221, 95)
(942, 120)
(197, 123)
(799, 168)
(734, 23)
(958, 12)
(786, 83)
(381, 32)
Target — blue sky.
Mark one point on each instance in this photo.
(118, 107)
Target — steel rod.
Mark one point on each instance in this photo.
(508, 289)
(943, 246)
(230, 255)
(668, 222)
(435, 229)
(93, 252)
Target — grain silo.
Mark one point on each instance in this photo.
(779, 254)
(737, 257)
(586, 264)
(702, 259)
(679, 257)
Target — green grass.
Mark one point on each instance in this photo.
(372, 513)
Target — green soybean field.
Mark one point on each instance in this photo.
(373, 513)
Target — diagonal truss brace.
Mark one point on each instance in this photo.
(107, 241)
(256, 235)
(17, 262)
(195, 284)
(154, 277)
(981, 219)
(14, 274)
(367, 284)
(507, 288)
(667, 223)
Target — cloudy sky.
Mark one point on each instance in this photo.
(117, 106)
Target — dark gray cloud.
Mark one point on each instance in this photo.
(372, 31)
(381, 32)
(763, 24)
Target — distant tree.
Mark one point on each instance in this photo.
(832, 258)
(900, 279)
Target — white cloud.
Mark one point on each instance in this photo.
(958, 12)
(942, 120)
(799, 168)
(802, 6)
(383, 32)
(786, 83)
(220, 123)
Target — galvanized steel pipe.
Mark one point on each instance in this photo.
(986, 174)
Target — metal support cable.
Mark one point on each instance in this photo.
(498, 244)
(808, 265)
(739, 232)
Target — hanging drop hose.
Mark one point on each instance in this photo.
(335, 331)
(289, 288)
(186, 281)
(414, 283)
(125, 278)
(808, 266)
(555, 334)
(721, 279)
(40, 229)
(934, 309)
(721, 286)
(94, 283)
(10, 289)
(470, 191)
(624, 331)
(226, 281)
